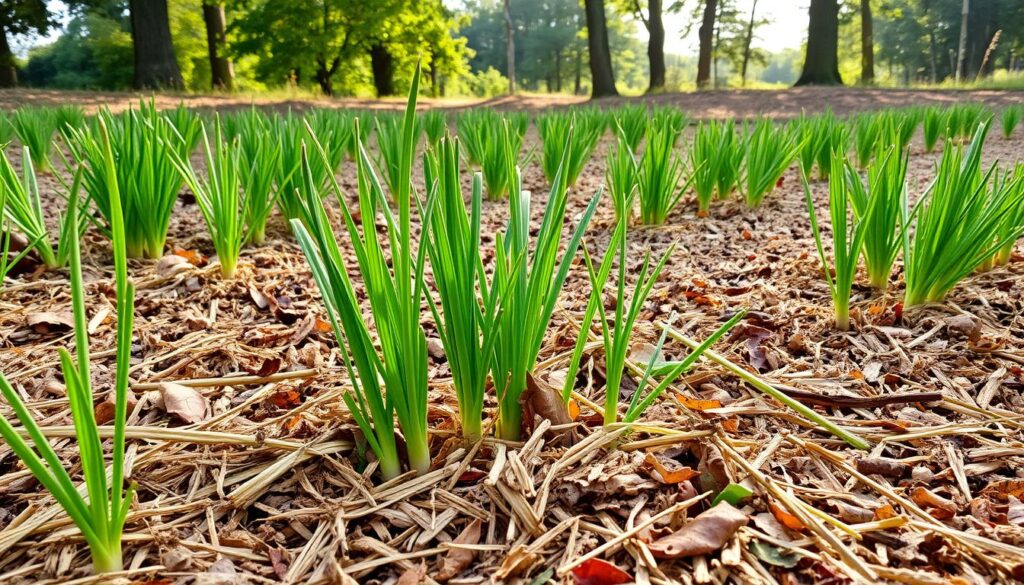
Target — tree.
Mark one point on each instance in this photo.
(221, 72)
(155, 64)
(748, 39)
(600, 55)
(821, 63)
(867, 44)
(961, 52)
(653, 21)
(706, 35)
(19, 17)
(510, 47)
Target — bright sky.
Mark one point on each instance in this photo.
(786, 29)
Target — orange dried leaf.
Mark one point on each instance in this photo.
(574, 409)
(885, 512)
(785, 518)
(697, 403)
(677, 474)
(599, 572)
(1003, 489)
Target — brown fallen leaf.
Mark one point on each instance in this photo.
(600, 572)
(517, 562)
(1004, 489)
(669, 470)
(184, 403)
(543, 400)
(459, 558)
(46, 322)
(104, 411)
(939, 507)
(172, 264)
(883, 466)
(414, 575)
(705, 534)
(697, 403)
(785, 518)
(885, 511)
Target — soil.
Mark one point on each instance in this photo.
(266, 486)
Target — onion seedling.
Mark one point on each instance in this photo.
(560, 153)
(472, 127)
(632, 122)
(1014, 221)
(101, 512)
(219, 196)
(847, 239)
(35, 128)
(502, 145)
(390, 142)
(658, 175)
(467, 328)
(291, 188)
(260, 159)
(956, 224)
(770, 151)
(392, 381)
(730, 153)
(23, 208)
(878, 208)
(703, 165)
(435, 125)
(932, 127)
(531, 278)
(6, 130)
(669, 117)
(1011, 117)
(621, 177)
(867, 131)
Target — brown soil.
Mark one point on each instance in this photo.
(266, 487)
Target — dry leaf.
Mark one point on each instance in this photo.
(1004, 489)
(541, 399)
(414, 575)
(785, 518)
(46, 322)
(517, 562)
(705, 534)
(885, 512)
(939, 507)
(670, 471)
(459, 558)
(698, 404)
(184, 403)
(599, 572)
(172, 264)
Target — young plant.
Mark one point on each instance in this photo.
(291, 187)
(730, 153)
(560, 153)
(704, 165)
(394, 288)
(390, 142)
(670, 118)
(621, 177)
(867, 130)
(467, 328)
(769, 152)
(99, 514)
(260, 160)
(1011, 117)
(847, 239)
(500, 141)
(657, 177)
(632, 122)
(1013, 223)
(219, 196)
(472, 127)
(956, 224)
(35, 128)
(530, 284)
(878, 207)
(934, 118)
(435, 125)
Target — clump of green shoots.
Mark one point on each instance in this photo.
(219, 196)
(1011, 117)
(466, 326)
(934, 118)
(715, 161)
(531, 277)
(621, 177)
(769, 152)
(819, 138)
(390, 143)
(291, 186)
(586, 128)
(260, 160)
(1013, 223)
(35, 127)
(658, 175)
(669, 117)
(100, 514)
(632, 122)
(957, 224)
(878, 208)
(393, 380)
(435, 125)
(23, 208)
(867, 130)
(847, 239)
(502, 145)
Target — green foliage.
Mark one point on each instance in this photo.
(467, 328)
(932, 126)
(435, 123)
(847, 238)
(100, 513)
(770, 150)
(391, 145)
(531, 284)
(715, 161)
(1011, 117)
(669, 118)
(867, 129)
(260, 163)
(658, 175)
(878, 207)
(35, 127)
(394, 288)
(23, 208)
(585, 126)
(502, 145)
(145, 176)
(292, 187)
(621, 177)
(956, 223)
(632, 122)
(1013, 223)
(219, 196)
(820, 137)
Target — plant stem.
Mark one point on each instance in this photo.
(107, 560)
(419, 456)
(842, 305)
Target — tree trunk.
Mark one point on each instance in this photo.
(8, 72)
(706, 35)
(578, 86)
(821, 64)
(221, 72)
(746, 44)
(601, 75)
(656, 46)
(558, 71)
(961, 53)
(867, 44)
(382, 65)
(510, 48)
(714, 47)
(155, 64)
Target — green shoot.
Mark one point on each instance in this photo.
(621, 177)
(260, 160)
(35, 127)
(847, 239)
(1011, 117)
(569, 156)
(932, 127)
(394, 288)
(466, 328)
(435, 125)
(530, 282)
(867, 131)
(500, 139)
(1009, 229)
(704, 165)
(657, 177)
(390, 141)
(878, 208)
(100, 513)
(956, 224)
(670, 118)
(730, 154)
(219, 196)
(770, 151)
(632, 121)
